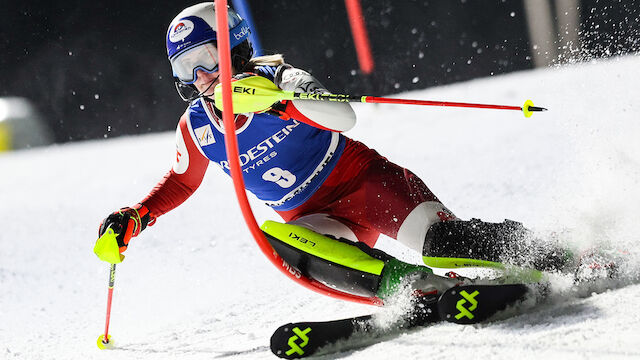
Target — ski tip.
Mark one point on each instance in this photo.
(105, 345)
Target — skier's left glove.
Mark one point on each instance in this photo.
(117, 229)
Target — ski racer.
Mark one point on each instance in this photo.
(297, 160)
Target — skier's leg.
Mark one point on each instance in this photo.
(327, 260)
(348, 266)
(413, 229)
(327, 225)
(400, 205)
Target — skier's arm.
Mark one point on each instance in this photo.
(183, 179)
(328, 116)
(176, 187)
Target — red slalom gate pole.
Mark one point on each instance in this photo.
(360, 37)
(231, 144)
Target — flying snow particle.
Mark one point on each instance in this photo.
(328, 54)
(81, 107)
(415, 79)
(96, 96)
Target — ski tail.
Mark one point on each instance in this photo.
(303, 339)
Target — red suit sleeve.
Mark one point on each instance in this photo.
(294, 113)
(183, 179)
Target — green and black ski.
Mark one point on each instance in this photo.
(298, 340)
(472, 304)
(468, 304)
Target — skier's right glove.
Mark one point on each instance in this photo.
(121, 226)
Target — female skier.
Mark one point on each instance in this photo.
(295, 158)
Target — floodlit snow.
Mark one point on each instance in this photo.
(195, 286)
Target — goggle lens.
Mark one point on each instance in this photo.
(203, 57)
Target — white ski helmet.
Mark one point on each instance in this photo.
(192, 45)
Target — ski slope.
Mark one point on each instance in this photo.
(195, 286)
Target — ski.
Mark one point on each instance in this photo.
(465, 304)
(298, 340)
(303, 339)
(472, 304)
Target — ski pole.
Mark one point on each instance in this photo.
(256, 93)
(104, 340)
(107, 250)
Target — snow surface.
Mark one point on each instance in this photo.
(195, 286)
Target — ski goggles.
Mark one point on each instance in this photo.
(202, 57)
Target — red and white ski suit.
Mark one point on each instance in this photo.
(364, 195)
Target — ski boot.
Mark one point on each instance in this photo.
(478, 243)
(419, 285)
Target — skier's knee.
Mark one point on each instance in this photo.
(349, 267)
(342, 264)
(414, 227)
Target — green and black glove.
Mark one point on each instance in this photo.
(117, 229)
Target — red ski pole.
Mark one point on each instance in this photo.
(256, 93)
(527, 108)
(108, 250)
(104, 340)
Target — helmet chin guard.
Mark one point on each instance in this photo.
(189, 92)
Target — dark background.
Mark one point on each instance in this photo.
(100, 69)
